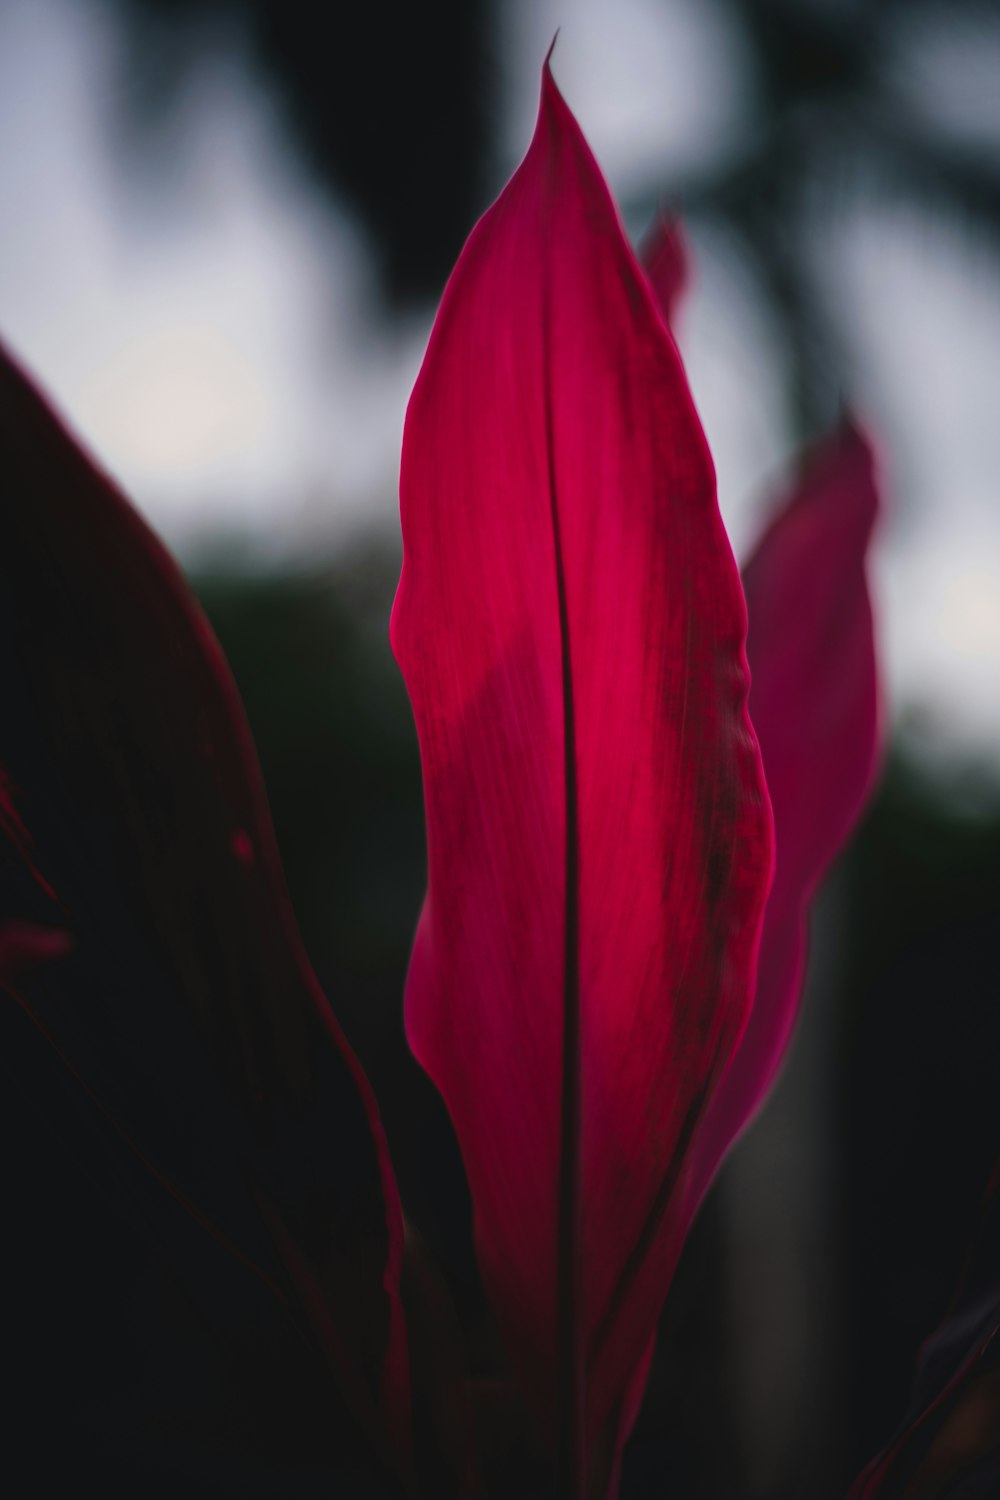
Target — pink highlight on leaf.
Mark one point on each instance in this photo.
(570, 625)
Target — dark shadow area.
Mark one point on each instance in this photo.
(114, 1361)
(391, 104)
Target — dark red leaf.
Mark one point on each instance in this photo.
(137, 829)
(571, 625)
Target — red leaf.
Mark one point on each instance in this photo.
(814, 704)
(135, 821)
(667, 264)
(570, 625)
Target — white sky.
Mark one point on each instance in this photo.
(215, 333)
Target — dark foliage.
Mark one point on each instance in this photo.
(391, 104)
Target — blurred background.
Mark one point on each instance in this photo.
(225, 226)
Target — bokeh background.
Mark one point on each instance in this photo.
(225, 225)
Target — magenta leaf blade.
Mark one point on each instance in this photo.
(570, 625)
